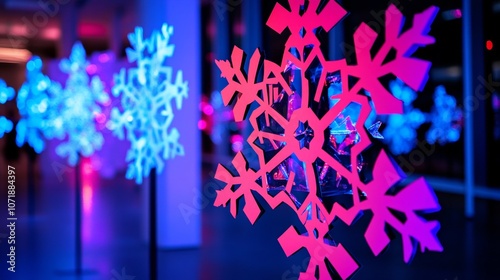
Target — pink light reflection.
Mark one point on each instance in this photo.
(202, 124)
(237, 143)
(92, 30)
(51, 33)
(103, 58)
(208, 109)
(87, 171)
(91, 69)
(87, 198)
(87, 168)
(100, 118)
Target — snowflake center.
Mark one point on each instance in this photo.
(300, 133)
(304, 134)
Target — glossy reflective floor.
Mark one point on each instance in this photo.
(231, 249)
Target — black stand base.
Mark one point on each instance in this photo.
(78, 270)
(78, 217)
(153, 250)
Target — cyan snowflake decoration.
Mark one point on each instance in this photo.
(147, 93)
(6, 93)
(6, 126)
(34, 101)
(309, 148)
(400, 134)
(77, 104)
(445, 117)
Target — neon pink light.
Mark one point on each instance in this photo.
(87, 198)
(208, 109)
(101, 118)
(103, 58)
(202, 124)
(87, 30)
(91, 69)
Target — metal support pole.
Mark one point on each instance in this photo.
(474, 107)
(78, 218)
(153, 249)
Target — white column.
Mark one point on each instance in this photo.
(179, 184)
(183, 176)
(151, 15)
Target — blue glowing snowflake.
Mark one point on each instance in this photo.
(34, 101)
(147, 94)
(5, 126)
(6, 94)
(77, 104)
(400, 133)
(445, 118)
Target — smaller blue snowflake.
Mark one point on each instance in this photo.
(6, 93)
(445, 119)
(148, 94)
(6, 126)
(400, 134)
(77, 105)
(34, 104)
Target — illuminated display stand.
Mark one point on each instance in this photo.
(164, 148)
(149, 94)
(73, 125)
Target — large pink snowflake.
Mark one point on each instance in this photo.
(308, 155)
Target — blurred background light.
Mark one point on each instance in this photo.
(10, 55)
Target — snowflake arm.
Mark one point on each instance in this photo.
(411, 71)
(417, 196)
(247, 86)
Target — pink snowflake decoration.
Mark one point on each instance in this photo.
(308, 153)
